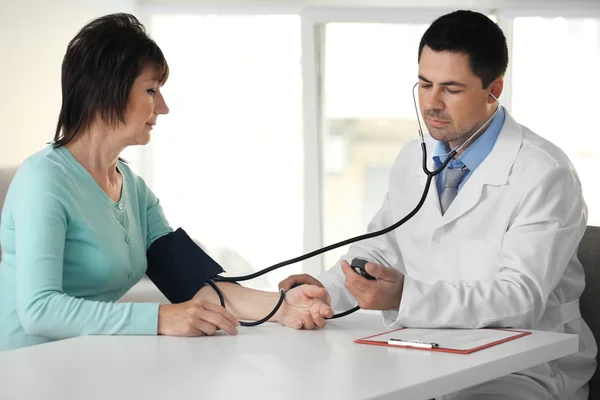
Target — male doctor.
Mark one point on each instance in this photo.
(495, 242)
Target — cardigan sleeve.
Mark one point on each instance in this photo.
(41, 220)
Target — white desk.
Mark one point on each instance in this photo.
(267, 362)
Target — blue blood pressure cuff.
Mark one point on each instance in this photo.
(179, 267)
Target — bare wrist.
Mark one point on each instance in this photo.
(281, 310)
(159, 328)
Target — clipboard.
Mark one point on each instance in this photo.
(458, 341)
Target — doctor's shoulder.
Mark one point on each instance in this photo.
(541, 154)
(540, 165)
(409, 156)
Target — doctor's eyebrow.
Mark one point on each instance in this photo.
(447, 83)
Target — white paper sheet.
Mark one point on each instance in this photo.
(456, 339)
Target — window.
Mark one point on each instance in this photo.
(554, 91)
(369, 72)
(227, 162)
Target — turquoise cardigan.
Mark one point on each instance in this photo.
(69, 252)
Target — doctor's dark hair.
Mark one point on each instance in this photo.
(474, 34)
(99, 69)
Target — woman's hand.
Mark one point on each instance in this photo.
(305, 307)
(197, 317)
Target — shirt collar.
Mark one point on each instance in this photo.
(474, 155)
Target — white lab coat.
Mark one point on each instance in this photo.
(503, 254)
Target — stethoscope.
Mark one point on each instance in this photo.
(430, 175)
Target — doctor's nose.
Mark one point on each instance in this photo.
(432, 100)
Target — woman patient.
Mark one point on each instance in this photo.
(77, 222)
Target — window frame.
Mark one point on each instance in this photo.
(312, 21)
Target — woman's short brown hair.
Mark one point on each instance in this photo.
(99, 69)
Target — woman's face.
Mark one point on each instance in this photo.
(144, 106)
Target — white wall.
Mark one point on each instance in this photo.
(274, 4)
(34, 35)
(33, 38)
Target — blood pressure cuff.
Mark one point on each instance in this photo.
(179, 267)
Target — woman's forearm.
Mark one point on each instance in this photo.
(243, 302)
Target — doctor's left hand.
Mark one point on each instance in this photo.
(384, 293)
(304, 308)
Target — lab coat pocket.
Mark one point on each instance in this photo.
(479, 260)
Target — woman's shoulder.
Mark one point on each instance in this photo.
(128, 174)
(132, 179)
(40, 177)
(42, 165)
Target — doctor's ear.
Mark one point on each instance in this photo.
(496, 89)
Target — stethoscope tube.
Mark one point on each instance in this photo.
(430, 175)
(253, 323)
(236, 279)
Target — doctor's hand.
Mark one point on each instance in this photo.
(293, 281)
(297, 280)
(304, 309)
(384, 293)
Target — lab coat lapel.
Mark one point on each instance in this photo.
(494, 170)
